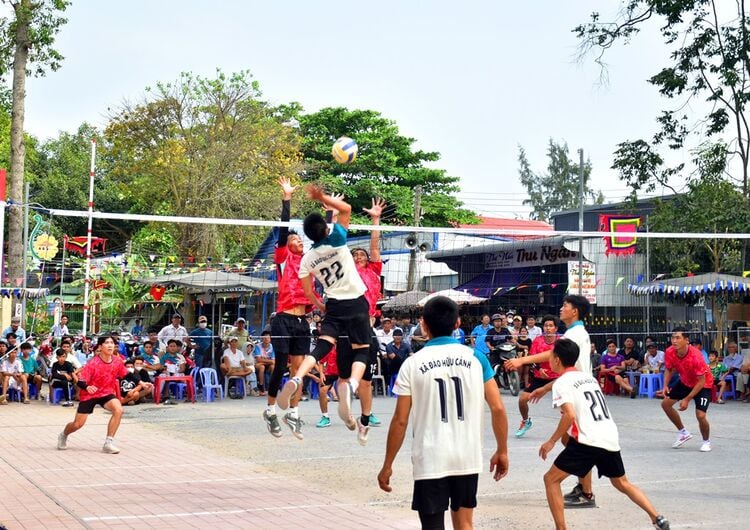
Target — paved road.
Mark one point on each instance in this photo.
(214, 464)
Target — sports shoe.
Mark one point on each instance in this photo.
(62, 442)
(295, 424)
(681, 439)
(705, 446)
(285, 396)
(576, 492)
(661, 523)
(26, 401)
(374, 421)
(581, 501)
(67, 404)
(272, 424)
(362, 432)
(109, 447)
(345, 404)
(324, 422)
(525, 426)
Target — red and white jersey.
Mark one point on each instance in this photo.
(691, 367)
(593, 424)
(103, 376)
(370, 275)
(290, 287)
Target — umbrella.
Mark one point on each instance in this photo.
(404, 301)
(460, 297)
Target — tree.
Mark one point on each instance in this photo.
(26, 46)
(558, 189)
(60, 179)
(203, 147)
(387, 166)
(710, 60)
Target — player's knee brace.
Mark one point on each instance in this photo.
(321, 349)
(361, 355)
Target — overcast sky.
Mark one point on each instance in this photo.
(471, 79)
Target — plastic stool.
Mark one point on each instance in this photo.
(314, 390)
(730, 394)
(649, 384)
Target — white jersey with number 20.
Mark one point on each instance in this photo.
(593, 425)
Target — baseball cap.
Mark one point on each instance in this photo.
(240, 319)
(398, 332)
(386, 318)
(651, 345)
(202, 319)
(176, 315)
(233, 339)
(496, 316)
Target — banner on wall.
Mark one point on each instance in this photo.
(589, 280)
(626, 224)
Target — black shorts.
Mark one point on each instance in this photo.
(290, 334)
(536, 383)
(348, 318)
(345, 357)
(87, 407)
(330, 380)
(702, 399)
(578, 459)
(432, 495)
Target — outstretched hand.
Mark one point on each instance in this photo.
(314, 192)
(331, 208)
(376, 210)
(286, 187)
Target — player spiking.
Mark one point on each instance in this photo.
(346, 309)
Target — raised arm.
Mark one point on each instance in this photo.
(375, 212)
(316, 193)
(286, 205)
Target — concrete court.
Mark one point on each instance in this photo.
(214, 464)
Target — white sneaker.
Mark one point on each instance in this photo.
(362, 432)
(345, 405)
(109, 447)
(62, 442)
(705, 446)
(284, 398)
(681, 439)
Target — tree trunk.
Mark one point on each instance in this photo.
(17, 145)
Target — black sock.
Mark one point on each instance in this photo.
(365, 420)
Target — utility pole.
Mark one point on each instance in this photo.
(25, 252)
(413, 252)
(580, 222)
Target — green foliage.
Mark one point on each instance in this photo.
(556, 190)
(710, 59)
(711, 204)
(387, 166)
(43, 21)
(204, 148)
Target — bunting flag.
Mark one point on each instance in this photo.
(628, 225)
(659, 276)
(620, 280)
(77, 245)
(745, 274)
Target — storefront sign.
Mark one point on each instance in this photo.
(589, 280)
(529, 256)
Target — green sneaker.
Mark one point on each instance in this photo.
(374, 421)
(525, 426)
(324, 422)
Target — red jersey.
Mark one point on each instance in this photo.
(331, 368)
(370, 275)
(103, 376)
(289, 285)
(691, 367)
(539, 346)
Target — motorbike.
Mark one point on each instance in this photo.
(509, 380)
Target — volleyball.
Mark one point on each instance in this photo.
(344, 150)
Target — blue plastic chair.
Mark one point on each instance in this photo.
(195, 374)
(210, 382)
(58, 394)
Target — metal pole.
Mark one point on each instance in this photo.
(648, 279)
(3, 180)
(580, 222)
(411, 280)
(62, 268)
(87, 278)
